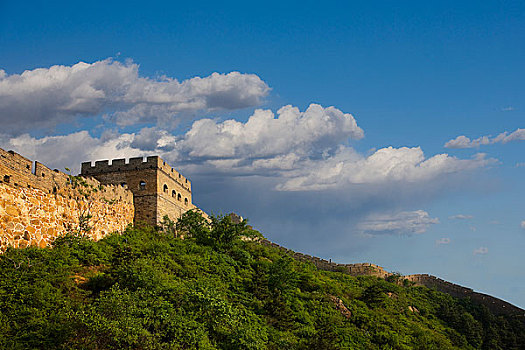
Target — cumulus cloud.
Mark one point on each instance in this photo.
(407, 222)
(308, 151)
(481, 251)
(461, 217)
(464, 142)
(385, 166)
(299, 151)
(523, 224)
(153, 139)
(265, 135)
(45, 97)
(69, 150)
(443, 241)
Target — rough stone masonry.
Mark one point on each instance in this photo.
(38, 204)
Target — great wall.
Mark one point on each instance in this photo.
(495, 305)
(38, 204)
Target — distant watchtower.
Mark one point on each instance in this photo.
(157, 188)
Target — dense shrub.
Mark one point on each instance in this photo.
(150, 289)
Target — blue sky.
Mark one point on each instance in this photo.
(381, 177)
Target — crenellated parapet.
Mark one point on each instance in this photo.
(158, 189)
(38, 204)
(495, 305)
(18, 171)
(135, 164)
(359, 269)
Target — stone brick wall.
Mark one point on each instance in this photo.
(158, 189)
(38, 204)
(174, 192)
(495, 305)
(360, 269)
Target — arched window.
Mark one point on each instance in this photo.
(7, 178)
(142, 185)
(185, 201)
(179, 197)
(165, 188)
(173, 194)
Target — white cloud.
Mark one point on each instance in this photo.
(153, 139)
(265, 135)
(80, 146)
(45, 97)
(307, 151)
(520, 165)
(299, 151)
(523, 224)
(508, 109)
(386, 165)
(443, 241)
(461, 217)
(465, 142)
(481, 251)
(407, 222)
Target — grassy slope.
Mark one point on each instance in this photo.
(148, 290)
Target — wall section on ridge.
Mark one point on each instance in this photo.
(495, 305)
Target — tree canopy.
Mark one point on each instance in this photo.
(148, 288)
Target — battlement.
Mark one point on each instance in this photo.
(158, 189)
(495, 305)
(359, 269)
(18, 171)
(134, 164)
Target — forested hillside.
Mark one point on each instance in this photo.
(149, 289)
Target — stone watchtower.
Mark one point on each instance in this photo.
(157, 188)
